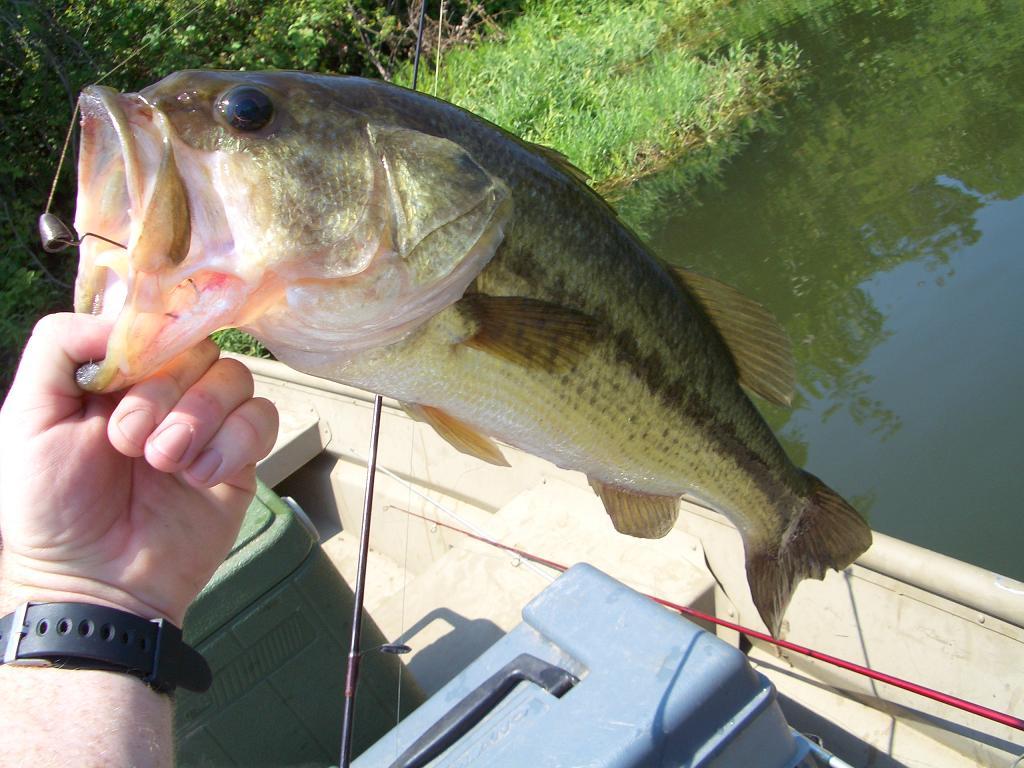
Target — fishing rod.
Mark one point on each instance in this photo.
(354, 654)
(897, 682)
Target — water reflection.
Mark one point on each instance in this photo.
(883, 226)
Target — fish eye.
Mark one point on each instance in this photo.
(246, 108)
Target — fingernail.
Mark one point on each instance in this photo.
(206, 466)
(135, 426)
(173, 441)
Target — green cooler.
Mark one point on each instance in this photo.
(274, 623)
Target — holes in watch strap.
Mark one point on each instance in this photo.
(107, 632)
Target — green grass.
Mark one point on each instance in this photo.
(234, 340)
(624, 89)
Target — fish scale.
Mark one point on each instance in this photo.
(389, 240)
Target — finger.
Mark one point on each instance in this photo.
(44, 387)
(246, 436)
(198, 416)
(147, 403)
(233, 498)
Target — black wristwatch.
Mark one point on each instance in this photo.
(85, 636)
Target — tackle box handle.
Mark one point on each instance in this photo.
(472, 709)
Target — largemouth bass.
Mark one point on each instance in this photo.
(385, 239)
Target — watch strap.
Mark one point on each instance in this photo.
(86, 636)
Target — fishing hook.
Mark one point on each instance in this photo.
(56, 235)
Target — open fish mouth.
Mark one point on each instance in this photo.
(131, 192)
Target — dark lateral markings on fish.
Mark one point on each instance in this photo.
(382, 238)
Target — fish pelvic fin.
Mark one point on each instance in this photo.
(638, 514)
(529, 332)
(829, 533)
(457, 433)
(759, 346)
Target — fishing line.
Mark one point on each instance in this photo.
(405, 584)
(60, 160)
(437, 60)
(468, 528)
(74, 113)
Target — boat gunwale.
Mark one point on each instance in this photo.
(969, 585)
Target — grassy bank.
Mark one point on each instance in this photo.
(623, 89)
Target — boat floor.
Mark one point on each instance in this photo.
(472, 597)
(450, 597)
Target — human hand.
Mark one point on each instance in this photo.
(130, 499)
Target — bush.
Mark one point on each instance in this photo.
(49, 50)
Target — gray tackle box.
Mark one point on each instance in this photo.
(598, 675)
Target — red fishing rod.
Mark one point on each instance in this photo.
(906, 685)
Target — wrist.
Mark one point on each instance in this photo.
(18, 586)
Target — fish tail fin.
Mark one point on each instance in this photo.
(828, 533)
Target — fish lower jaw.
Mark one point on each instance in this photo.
(93, 376)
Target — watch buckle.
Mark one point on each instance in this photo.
(154, 673)
(17, 632)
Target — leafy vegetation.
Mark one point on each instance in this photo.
(622, 88)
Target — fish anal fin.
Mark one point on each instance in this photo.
(529, 332)
(457, 433)
(759, 346)
(829, 533)
(643, 515)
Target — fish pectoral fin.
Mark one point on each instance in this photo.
(828, 533)
(457, 433)
(759, 346)
(529, 332)
(638, 514)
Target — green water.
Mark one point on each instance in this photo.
(884, 225)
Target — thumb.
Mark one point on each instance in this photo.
(44, 388)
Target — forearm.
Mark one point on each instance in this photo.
(61, 717)
(107, 510)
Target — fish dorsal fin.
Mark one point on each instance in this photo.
(459, 435)
(529, 332)
(759, 346)
(560, 161)
(638, 514)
